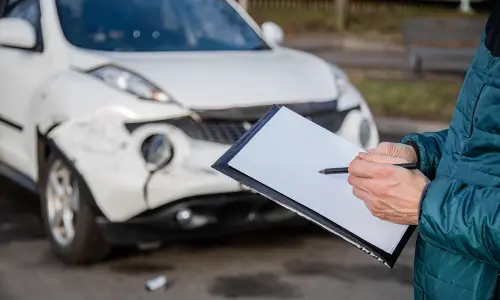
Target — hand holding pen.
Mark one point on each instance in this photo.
(390, 192)
(343, 170)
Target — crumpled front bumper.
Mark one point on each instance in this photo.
(140, 206)
(108, 158)
(210, 215)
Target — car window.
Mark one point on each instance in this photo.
(221, 27)
(28, 10)
(156, 25)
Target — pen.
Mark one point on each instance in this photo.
(409, 166)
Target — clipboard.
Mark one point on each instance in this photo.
(388, 258)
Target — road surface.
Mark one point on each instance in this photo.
(304, 263)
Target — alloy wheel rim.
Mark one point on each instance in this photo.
(63, 201)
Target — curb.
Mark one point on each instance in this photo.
(404, 126)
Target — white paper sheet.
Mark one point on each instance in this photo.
(286, 155)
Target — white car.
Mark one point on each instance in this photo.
(114, 111)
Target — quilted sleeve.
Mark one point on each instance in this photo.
(462, 218)
(460, 211)
(429, 147)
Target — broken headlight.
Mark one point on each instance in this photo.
(127, 81)
(157, 151)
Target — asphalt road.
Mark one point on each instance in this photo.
(300, 263)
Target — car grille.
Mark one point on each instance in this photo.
(229, 132)
(221, 129)
(217, 131)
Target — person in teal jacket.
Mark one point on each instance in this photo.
(454, 197)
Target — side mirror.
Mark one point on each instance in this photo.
(17, 33)
(272, 33)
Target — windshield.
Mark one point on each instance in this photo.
(156, 25)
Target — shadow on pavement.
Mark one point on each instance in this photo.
(19, 213)
(274, 237)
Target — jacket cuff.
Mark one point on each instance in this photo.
(417, 151)
(422, 197)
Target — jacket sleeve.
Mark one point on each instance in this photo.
(429, 147)
(460, 211)
(462, 218)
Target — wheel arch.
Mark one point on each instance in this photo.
(47, 147)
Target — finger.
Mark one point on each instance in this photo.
(374, 187)
(366, 197)
(359, 182)
(367, 169)
(362, 195)
(383, 158)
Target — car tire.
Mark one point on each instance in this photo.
(69, 222)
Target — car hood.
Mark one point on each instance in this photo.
(216, 80)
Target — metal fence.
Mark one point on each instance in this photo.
(323, 5)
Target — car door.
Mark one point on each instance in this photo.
(22, 72)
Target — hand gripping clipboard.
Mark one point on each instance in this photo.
(391, 238)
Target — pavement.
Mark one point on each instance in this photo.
(352, 51)
(299, 263)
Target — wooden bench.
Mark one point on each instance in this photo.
(444, 44)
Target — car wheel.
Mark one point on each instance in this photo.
(70, 225)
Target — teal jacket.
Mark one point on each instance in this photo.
(458, 245)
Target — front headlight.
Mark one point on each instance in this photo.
(130, 82)
(157, 151)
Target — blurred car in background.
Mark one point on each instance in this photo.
(114, 111)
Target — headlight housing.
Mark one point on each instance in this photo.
(157, 151)
(130, 82)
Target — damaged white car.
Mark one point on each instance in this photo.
(114, 111)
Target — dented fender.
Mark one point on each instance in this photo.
(86, 119)
(108, 158)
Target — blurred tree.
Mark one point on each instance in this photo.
(341, 11)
